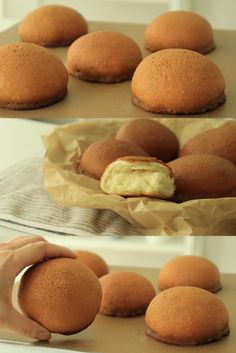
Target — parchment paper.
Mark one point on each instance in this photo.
(119, 335)
(149, 216)
(96, 100)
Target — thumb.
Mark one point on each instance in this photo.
(27, 327)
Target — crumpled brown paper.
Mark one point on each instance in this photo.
(150, 216)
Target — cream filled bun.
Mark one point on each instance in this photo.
(138, 176)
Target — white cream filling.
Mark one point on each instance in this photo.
(138, 178)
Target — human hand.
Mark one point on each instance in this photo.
(15, 255)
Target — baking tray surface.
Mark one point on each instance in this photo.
(89, 100)
(126, 335)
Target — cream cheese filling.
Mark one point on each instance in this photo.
(138, 178)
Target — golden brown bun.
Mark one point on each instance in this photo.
(220, 141)
(180, 29)
(203, 176)
(95, 262)
(187, 316)
(177, 81)
(97, 156)
(138, 176)
(125, 294)
(104, 57)
(194, 271)
(52, 26)
(155, 138)
(31, 77)
(61, 294)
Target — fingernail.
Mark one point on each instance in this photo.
(43, 336)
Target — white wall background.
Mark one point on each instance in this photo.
(221, 13)
(222, 250)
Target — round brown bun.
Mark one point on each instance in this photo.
(187, 316)
(95, 262)
(61, 294)
(155, 138)
(177, 81)
(52, 26)
(179, 29)
(31, 77)
(97, 156)
(125, 294)
(203, 176)
(194, 271)
(220, 141)
(106, 57)
(138, 176)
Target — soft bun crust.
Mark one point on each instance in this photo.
(203, 176)
(31, 77)
(61, 294)
(125, 294)
(95, 262)
(106, 57)
(52, 26)
(192, 271)
(97, 156)
(179, 29)
(177, 81)
(138, 176)
(220, 141)
(187, 316)
(155, 138)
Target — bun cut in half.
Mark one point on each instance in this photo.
(138, 176)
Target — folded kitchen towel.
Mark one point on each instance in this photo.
(25, 205)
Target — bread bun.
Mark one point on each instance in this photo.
(61, 294)
(187, 316)
(31, 77)
(106, 57)
(95, 262)
(138, 176)
(179, 29)
(97, 156)
(220, 141)
(155, 138)
(52, 26)
(194, 271)
(177, 81)
(125, 294)
(203, 176)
